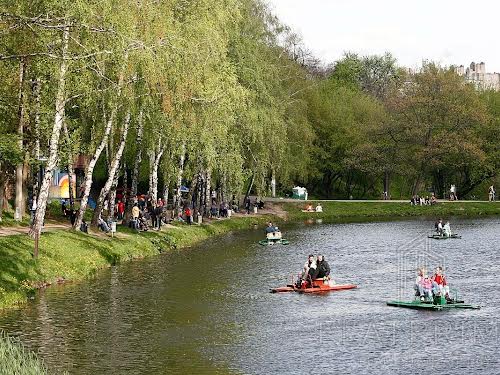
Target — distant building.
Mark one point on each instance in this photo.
(476, 74)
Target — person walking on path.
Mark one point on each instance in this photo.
(491, 193)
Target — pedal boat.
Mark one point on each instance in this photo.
(273, 239)
(443, 237)
(318, 286)
(438, 303)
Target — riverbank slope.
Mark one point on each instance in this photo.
(67, 255)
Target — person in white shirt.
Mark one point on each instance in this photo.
(447, 229)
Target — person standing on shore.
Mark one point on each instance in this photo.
(135, 215)
(189, 218)
(248, 205)
(491, 193)
(121, 209)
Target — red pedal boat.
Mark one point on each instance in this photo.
(318, 286)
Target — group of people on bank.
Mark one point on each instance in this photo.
(310, 208)
(417, 200)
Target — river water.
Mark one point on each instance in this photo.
(208, 310)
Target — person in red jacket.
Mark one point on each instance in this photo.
(121, 209)
(189, 218)
(440, 284)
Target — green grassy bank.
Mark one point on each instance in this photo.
(67, 255)
(369, 211)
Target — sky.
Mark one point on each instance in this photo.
(445, 31)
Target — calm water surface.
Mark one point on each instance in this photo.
(207, 310)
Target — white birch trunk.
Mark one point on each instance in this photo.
(36, 129)
(273, 185)
(112, 196)
(138, 159)
(208, 191)
(152, 158)
(113, 170)
(71, 170)
(165, 193)
(179, 178)
(154, 174)
(125, 181)
(43, 194)
(87, 184)
(19, 211)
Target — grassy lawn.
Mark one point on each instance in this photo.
(362, 211)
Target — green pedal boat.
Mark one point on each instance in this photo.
(273, 239)
(439, 303)
(439, 237)
(280, 241)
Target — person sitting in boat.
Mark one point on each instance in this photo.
(272, 232)
(270, 228)
(447, 229)
(310, 208)
(439, 227)
(323, 267)
(319, 208)
(309, 272)
(440, 285)
(423, 285)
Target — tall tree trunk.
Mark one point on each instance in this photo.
(247, 194)
(19, 201)
(192, 190)
(273, 184)
(165, 192)
(199, 194)
(97, 153)
(3, 183)
(113, 170)
(208, 191)
(180, 173)
(36, 132)
(43, 195)
(416, 184)
(26, 181)
(387, 180)
(87, 184)
(152, 158)
(154, 172)
(69, 167)
(112, 196)
(125, 182)
(138, 158)
(137, 164)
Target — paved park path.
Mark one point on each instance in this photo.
(15, 230)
